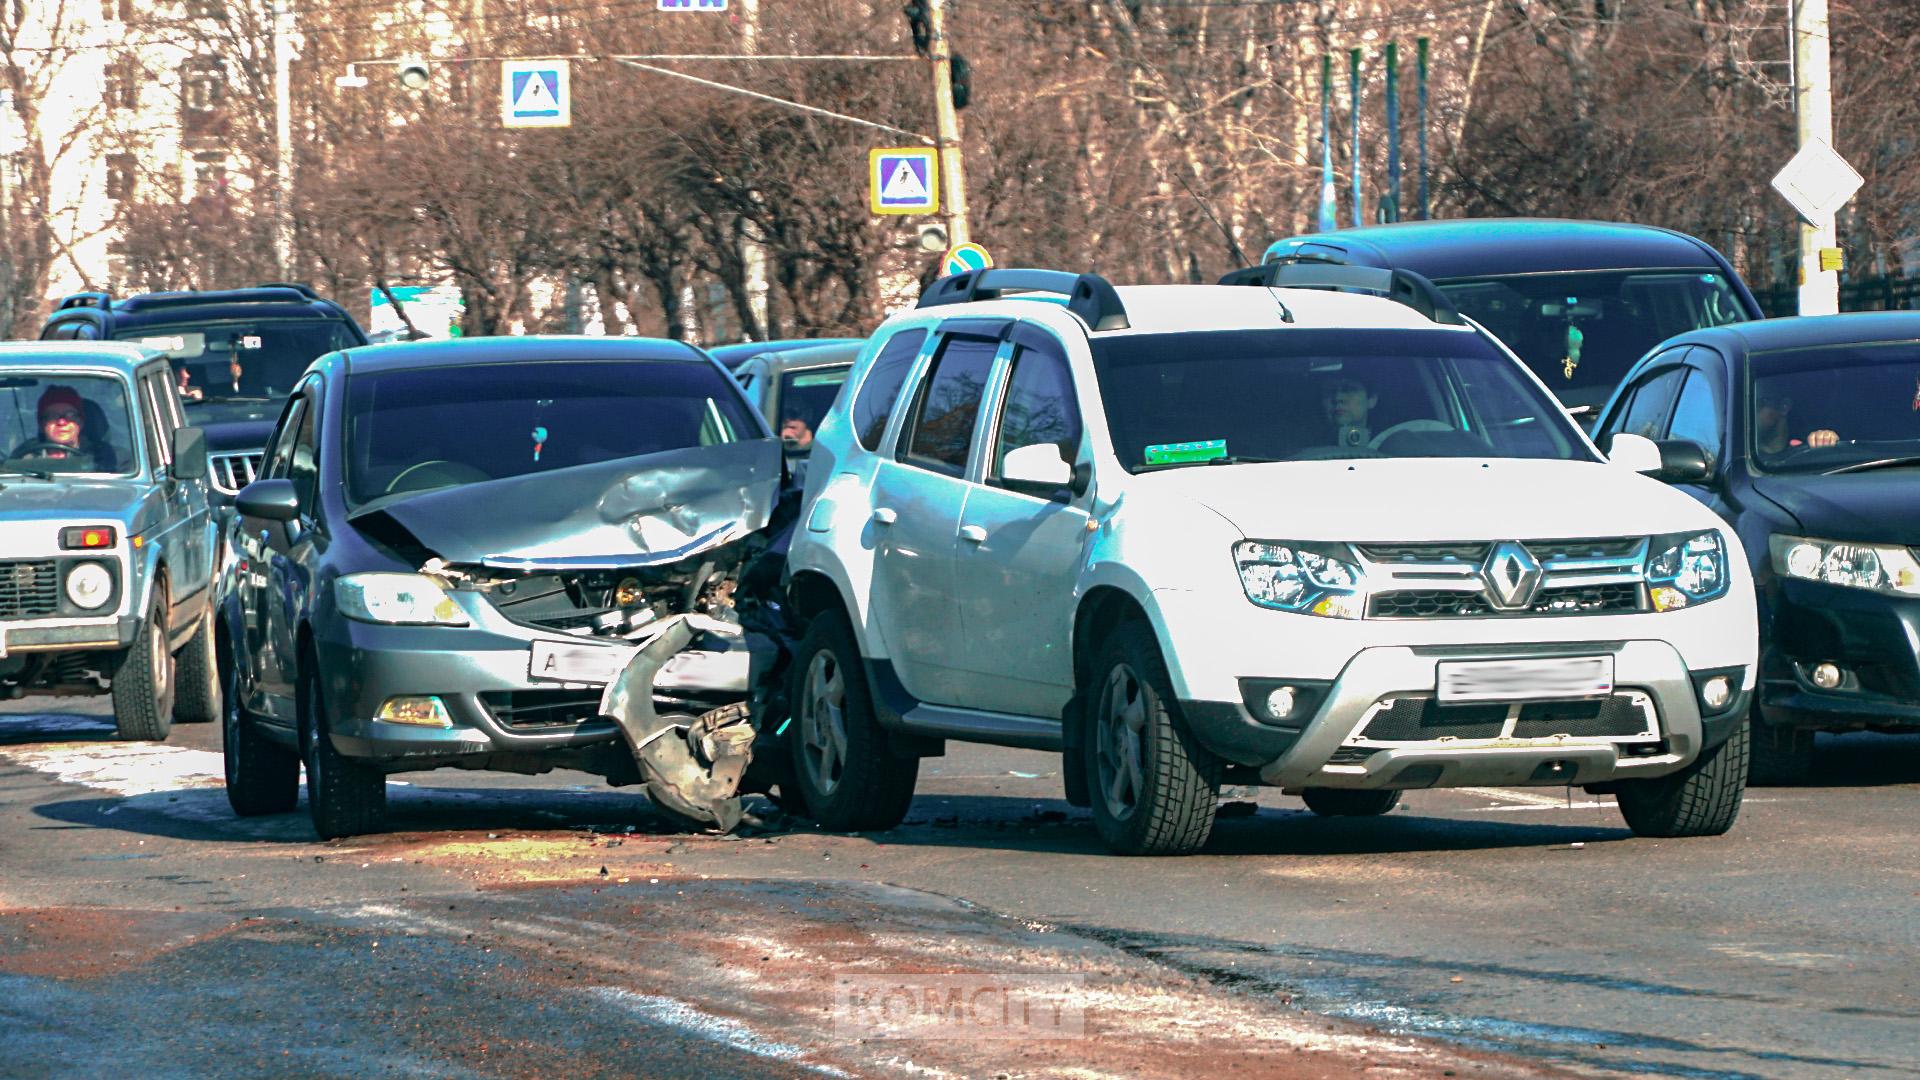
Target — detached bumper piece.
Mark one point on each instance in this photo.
(691, 765)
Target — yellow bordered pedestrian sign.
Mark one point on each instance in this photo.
(903, 180)
(965, 257)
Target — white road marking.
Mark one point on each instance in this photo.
(1509, 795)
(684, 1017)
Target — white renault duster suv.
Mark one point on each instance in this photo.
(1267, 533)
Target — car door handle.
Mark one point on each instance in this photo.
(973, 534)
(884, 516)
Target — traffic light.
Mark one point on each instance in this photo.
(917, 21)
(962, 81)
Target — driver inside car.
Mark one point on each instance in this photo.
(1347, 401)
(62, 417)
(1774, 435)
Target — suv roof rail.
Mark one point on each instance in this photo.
(103, 301)
(1089, 296)
(271, 294)
(1400, 286)
(304, 290)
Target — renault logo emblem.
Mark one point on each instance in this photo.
(1512, 575)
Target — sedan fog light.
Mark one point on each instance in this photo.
(1827, 676)
(1716, 693)
(89, 585)
(421, 711)
(1667, 599)
(1281, 702)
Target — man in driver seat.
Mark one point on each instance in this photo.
(1347, 402)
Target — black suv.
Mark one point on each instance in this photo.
(235, 352)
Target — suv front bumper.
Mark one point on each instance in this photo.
(1332, 746)
(67, 635)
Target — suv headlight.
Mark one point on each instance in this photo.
(1891, 570)
(1686, 569)
(397, 599)
(89, 585)
(1318, 579)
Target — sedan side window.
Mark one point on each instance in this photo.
(1039, 408)
(303, 464)
(1646, 414)
(280, 452)
(1696, 416)
(874, 403)
(940, 429)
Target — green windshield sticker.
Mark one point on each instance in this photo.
(1171, 453)
(820, 378)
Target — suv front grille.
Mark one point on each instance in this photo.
(1443, 580)
(29, 589)
(233, 471)
(1418, 719)
(1424, 553)
(1628, 714)
(525, 709)
(1620, 716)
(1443, 604)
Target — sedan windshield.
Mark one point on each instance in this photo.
(1580, 332)
(805, 397)
(241, 370)
(1817, 410)
(1304, 395)
(421, 428)
(65, 423)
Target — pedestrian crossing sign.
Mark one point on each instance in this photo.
(904, 180)
(535, 93)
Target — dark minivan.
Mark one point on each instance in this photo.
(1579, 301)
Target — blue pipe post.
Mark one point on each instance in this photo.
(1329, 198)
(1392, 207)
(1426, 208)
(1353, 81)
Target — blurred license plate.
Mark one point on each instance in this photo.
(1526, 680)
(563, 662)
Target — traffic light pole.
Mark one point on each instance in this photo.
(1813, 119)
(953, 174)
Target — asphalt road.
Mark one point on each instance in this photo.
(513, 926)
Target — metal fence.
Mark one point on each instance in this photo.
(1868, 294)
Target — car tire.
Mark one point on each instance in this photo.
(263, 777)
(845, 772)
(1782, 756)
(197, 678)
(345, 797)
(1702, 799)
(143, 680)
(1341, 802)
(1154, 787)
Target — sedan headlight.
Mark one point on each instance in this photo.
(1309, 580)
(89, 585)
(397, 599)
(1686, 569)
(1880, 568)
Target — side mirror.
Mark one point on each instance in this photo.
(1038, 467)
(190, 454)
(1683, 461)
(268, 500)
(1635, 452)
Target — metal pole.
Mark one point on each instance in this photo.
(947, 126)
(1329, 195)
(1426, 208)
(1353, 99)
(1393, 132)
(282, 139)
(1813, 119)
(753, 254)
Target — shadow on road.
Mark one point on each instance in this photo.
(1866, 760)
(25, 729)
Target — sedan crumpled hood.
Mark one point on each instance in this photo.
(1433, 499)
(638, 511)
(1879, 507)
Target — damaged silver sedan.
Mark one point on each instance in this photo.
(514, 554)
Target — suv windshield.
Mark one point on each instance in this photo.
(1580, 332)
(414, 429)
(1305, 395)
(1816, 410)
(241, 370)
(65, 423)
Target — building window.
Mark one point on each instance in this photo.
(209, 174)
(121, 177)
(203, 84)
(123, 83)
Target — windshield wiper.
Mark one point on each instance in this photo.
(1905, 462)
(37, 474)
